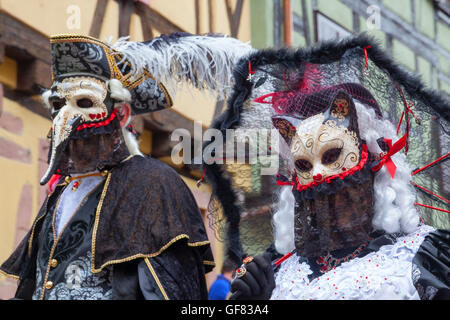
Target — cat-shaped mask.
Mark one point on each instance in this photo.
(324, 145)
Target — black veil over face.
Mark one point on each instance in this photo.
(285, 82)
(101, 151)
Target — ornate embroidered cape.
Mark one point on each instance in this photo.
(146, 225)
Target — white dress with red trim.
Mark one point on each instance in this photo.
(386, 274)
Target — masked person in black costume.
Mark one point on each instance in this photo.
(118, 224)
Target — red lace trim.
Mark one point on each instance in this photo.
(98, 124)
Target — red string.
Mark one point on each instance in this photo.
(410, 105)
(365, 55)
(250, 68)
(426, 190)
(421, 220)
(436, 195)
(430, 207)
(279, 261)
(432, 163)
(203, 176)
(400, 122)
(407, 116)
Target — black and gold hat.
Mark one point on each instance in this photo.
(77, 55)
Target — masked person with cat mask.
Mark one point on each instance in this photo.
(345, 225)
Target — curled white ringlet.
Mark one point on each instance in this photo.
(117, 90)
(45, 95)
(283, 221)
(394, 198)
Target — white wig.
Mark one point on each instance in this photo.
(121, 94)
(394, 209)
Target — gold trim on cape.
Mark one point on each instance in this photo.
(9, 275)
(209, 263)
(155, 277)
(135, 256)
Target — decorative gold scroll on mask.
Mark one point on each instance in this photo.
(315, 140)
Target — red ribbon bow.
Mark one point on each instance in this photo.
(386, 159)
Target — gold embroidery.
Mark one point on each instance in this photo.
(30, 241)
(113, 68)
(150, 255)
(97, 216)
(136, 256)
(52, 251)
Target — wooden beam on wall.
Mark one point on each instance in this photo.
(147, 28)
(211, 10)
(30, 49)
(27, 102)
(33, 75)
(234, 17)
(288, 23)
(1, 99)
(197, 16)
(167, 121)
(157, 20)
(26, 42)
(162, 145)
(2, 52)
(97, 20)
(126, 9)
(306, 31)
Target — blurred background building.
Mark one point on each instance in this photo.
(415, 32)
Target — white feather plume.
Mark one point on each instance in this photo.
(206, 62)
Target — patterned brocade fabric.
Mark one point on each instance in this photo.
(65, 260)
(79, 283)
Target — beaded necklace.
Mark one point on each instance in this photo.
(329, 262)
